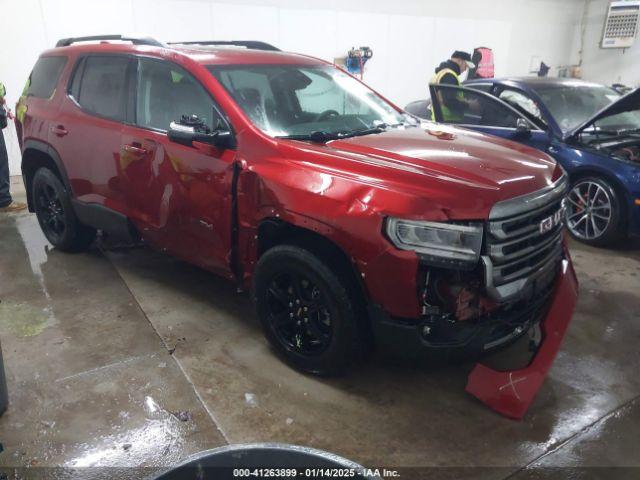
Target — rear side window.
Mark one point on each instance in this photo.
(45, 75)
(102, 89)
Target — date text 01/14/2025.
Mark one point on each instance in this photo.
(314, 473)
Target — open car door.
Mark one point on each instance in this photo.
(480, 111)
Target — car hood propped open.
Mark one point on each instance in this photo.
(627, 103)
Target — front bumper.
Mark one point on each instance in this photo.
(423, 339)
(511, 392)
(407, 338)
(508, 392)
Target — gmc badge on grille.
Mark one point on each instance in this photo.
(549, 223)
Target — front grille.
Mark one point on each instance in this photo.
(516, 246)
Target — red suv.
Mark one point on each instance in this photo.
(352, 223)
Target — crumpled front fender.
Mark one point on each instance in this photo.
(511, 392)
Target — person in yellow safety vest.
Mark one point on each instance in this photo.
(448, 73)
(21, 108)
(6, 202)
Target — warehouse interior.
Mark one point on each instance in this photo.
(408, 37)
(124, 361)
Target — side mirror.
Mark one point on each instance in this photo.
(192, 129)
(522, 128)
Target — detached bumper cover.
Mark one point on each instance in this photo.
(511, 392)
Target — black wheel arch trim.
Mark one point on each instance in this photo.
(285, 232)
(45, 148)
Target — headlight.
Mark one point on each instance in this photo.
(447, 243)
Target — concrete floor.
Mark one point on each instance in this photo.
(131, 358)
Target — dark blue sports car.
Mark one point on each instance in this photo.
(590, 129)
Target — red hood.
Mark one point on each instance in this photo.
(459, 171)
(483, 161)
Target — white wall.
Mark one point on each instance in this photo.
(408, 37)
(610, 65)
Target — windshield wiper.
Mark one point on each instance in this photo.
(627, 131)
(403, 124)
(598, 131)
(322, 136)
(367, 131)
(319, 136)
(609, 131)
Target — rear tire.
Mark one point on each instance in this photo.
(55, 214)
(595, 212)
(306, 310)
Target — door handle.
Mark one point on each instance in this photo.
(59, 130)
(134, 149)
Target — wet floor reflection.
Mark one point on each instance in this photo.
(387, 409)
(81, 360)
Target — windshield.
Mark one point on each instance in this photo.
(573, 104)
(298, 101)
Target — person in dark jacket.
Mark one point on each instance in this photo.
(6, 202)
(448, 73)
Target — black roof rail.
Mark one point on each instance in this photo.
(65, 42)
(251, 44)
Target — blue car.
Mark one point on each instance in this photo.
(590, 129)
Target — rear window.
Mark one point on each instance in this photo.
(45, 75)
(102, 89)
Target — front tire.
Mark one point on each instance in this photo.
(595, 212)
(306, 310)
(55, 213)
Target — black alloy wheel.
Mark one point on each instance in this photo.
(55, 214)
(50, 212)
(307, 308)
(299, 314)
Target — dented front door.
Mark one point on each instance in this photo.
(179, 196)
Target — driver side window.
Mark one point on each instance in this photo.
(252, 90)
(522, 103)
(166, 92)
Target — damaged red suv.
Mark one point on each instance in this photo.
(352, 223)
